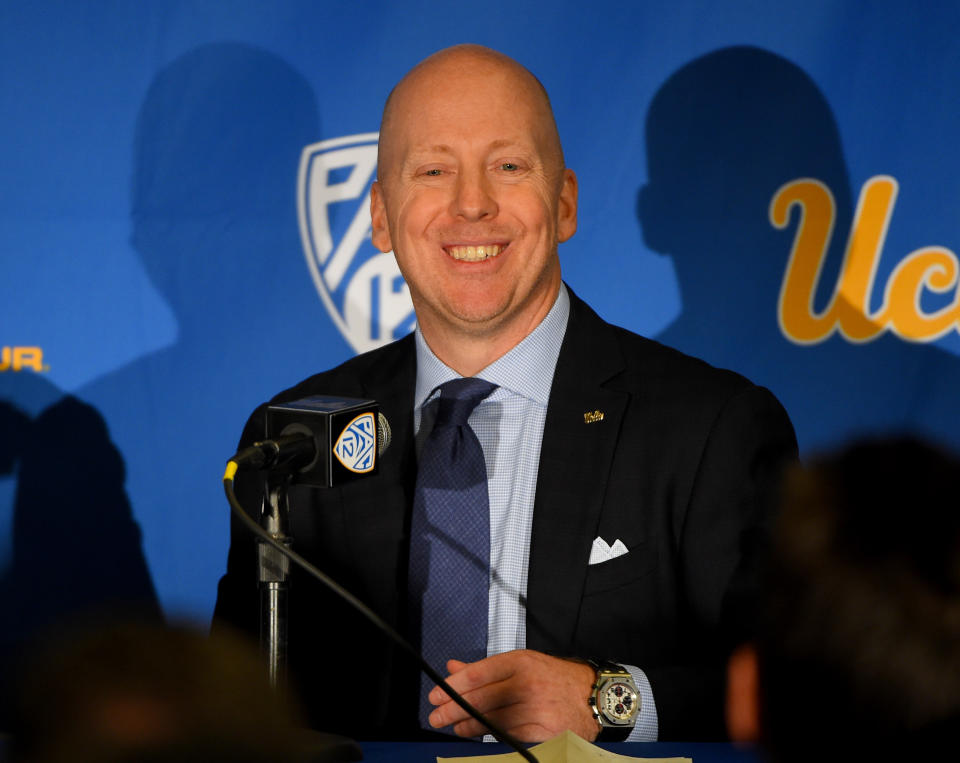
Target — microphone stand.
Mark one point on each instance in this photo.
(273, 573)
(274, 553)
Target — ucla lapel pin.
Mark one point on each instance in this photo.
(591, 417)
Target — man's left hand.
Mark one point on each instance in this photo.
(531, 695)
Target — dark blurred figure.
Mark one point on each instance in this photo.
(138, 693)
(858, 647)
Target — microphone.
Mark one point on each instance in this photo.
(321, 440)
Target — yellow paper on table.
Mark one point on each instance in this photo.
(563, 748)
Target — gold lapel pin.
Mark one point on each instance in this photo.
(592, 417)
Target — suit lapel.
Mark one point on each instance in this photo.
(378, 516)
(579, 441)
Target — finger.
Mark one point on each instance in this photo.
(438, 695)
(484, 699)
(459, 682)
(475, 674)
(470, 728)
(522, 731)
(501, 717)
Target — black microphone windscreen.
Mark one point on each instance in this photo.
(350, 434)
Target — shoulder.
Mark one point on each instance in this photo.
(632, 360)
(667, 390)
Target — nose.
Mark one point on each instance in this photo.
(473, 196)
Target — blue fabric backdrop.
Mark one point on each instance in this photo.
(183, 234)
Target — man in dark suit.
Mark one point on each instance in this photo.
(640, 476)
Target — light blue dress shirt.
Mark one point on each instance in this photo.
(509, 424)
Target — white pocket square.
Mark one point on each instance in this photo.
(601, 552)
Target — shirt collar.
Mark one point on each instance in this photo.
(539, 350)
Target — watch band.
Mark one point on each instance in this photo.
(614, 684)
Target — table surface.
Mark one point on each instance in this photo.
(427, 752)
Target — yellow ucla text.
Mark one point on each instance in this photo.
(20, 358)
(930, 268)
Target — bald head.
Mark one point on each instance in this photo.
(457, 69)
(473, 198)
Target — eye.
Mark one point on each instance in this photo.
(509, 166)
(433, 172)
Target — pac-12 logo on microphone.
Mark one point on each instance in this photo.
(360, 286)
(356, 447)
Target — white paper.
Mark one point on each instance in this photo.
(563, 748)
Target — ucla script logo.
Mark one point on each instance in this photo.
(933, 269)
(360, 286)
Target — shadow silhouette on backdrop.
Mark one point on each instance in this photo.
(217, 146)
(75, 549)
(723, 133)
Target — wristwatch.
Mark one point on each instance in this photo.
(615, 701)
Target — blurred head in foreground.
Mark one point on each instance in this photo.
(858, 646)
(142, 693)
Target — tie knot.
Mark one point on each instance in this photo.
(458, 398)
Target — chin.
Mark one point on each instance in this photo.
(479, 312)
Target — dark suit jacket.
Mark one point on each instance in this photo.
(681, 468)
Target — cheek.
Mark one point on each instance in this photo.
(532, 206)
(412, 245)
(413, 223)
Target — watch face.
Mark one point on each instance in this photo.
(617, 701)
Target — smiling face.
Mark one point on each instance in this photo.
(473, 198)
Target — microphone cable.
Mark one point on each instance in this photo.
(499, 734)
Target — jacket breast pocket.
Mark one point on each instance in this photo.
(639, 562)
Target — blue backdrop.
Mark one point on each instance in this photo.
(771, 186)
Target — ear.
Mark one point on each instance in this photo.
(567, 206)
(380, 235)
(743, 695)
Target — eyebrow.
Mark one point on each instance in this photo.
(442, 148)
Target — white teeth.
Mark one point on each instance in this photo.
(474, 253)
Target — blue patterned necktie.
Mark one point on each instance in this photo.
(450, 537)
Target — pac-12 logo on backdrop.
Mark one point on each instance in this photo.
(360, 286)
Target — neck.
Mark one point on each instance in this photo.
(468, 350)
(468, 355)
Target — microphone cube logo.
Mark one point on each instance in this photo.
(356, 447)
(360, 286)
